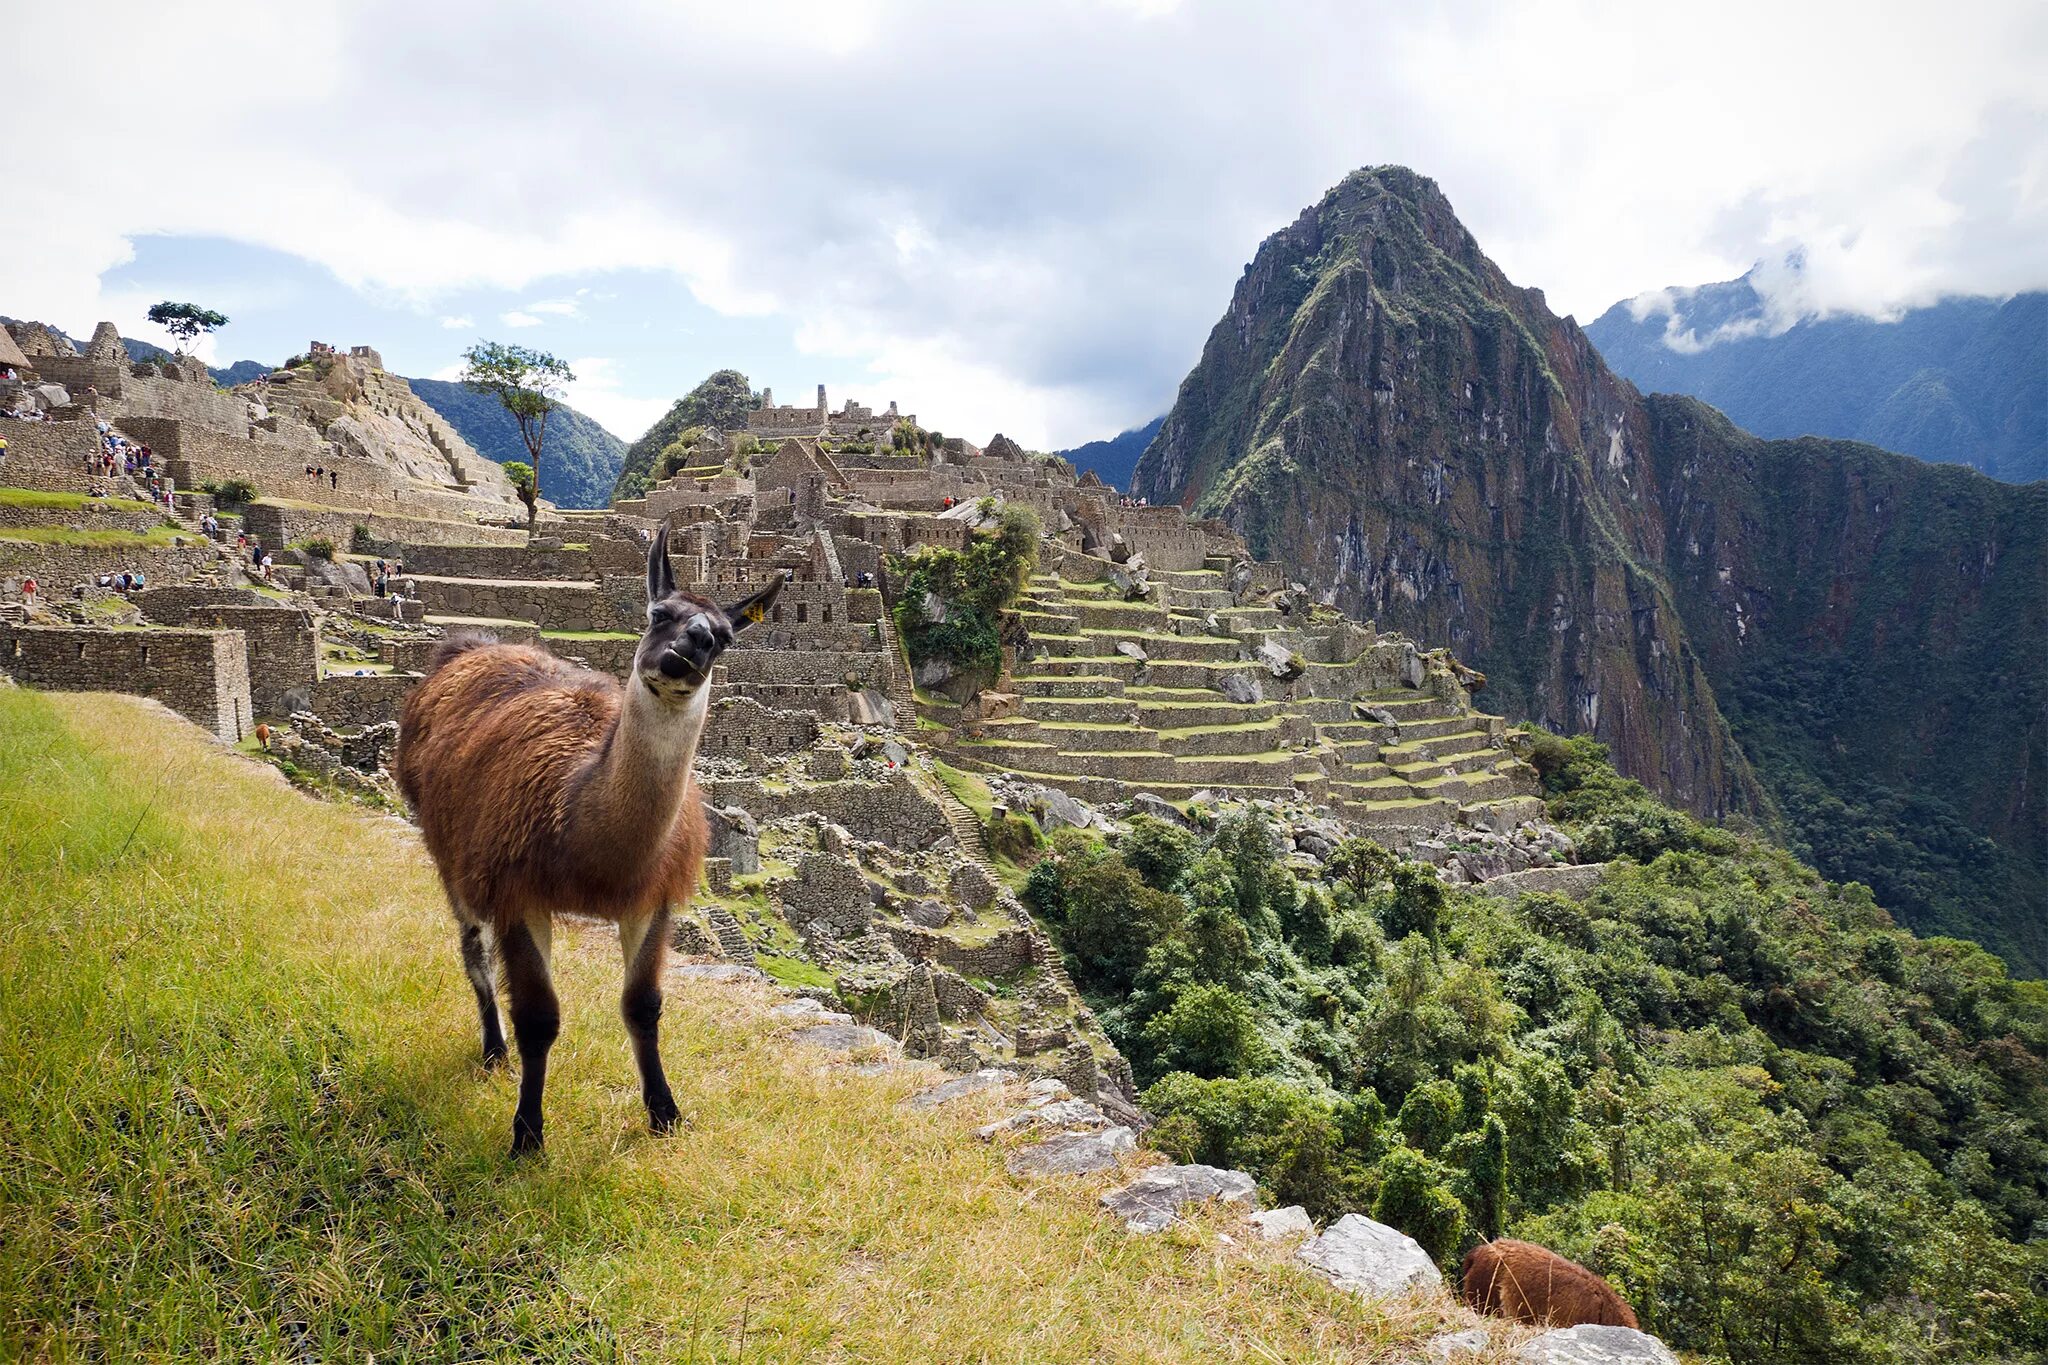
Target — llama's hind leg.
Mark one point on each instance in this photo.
(643, 940)
(476, 960)
(536, 1020)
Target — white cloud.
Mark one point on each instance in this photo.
(600, 393)
(448, 374)
(1061, 240)
(457, 324)
(558, 307)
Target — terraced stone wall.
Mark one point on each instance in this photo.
(343, 700)
(276, 524)
(201, 674)
(284, 651)
(48, 455)
(892, 811)
(740, 727)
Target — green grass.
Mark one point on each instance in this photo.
(41, 498)
(156, 537)
(241, 1118)
(968, 789)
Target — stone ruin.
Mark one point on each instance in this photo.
(1153, 665)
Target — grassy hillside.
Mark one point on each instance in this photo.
(579, 461)
(241, 1117)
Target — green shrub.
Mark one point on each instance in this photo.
(231, 492)
(360, 541)
(1415, 1196)
(952, 601)
(318, 548)
(1208, 1030)
(1014, 836)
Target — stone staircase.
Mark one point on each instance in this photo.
(1191, 707)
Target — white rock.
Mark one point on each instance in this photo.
(1453, 1346)
(844, 1037)
(1276, 1225)
(1073, 1115)
(1072, 1153)
(1596, 1346)
(1045, 1090)
(985, 1079)
(1369, 1259)
(1154, 1200)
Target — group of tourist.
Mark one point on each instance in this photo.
(390, 578)
(1134, 502)
(318, 472)
(126, 581)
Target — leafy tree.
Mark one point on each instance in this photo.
(1431, 1115)
(1157, 850)
(1209, 1030)
(1415, 1196)
(1416, 903)
(185, 321)
(529, 384)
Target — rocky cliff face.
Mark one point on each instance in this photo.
(1426, 444)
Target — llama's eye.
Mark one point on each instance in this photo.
(660, 616)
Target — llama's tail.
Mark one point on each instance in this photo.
(457, 645)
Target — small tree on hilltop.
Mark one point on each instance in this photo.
(529, 384)
(186, 321)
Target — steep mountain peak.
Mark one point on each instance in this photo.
(1425, 444)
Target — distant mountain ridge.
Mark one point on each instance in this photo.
(1962, 381)
(579, 459)
(1831, 638)
(1115, 459)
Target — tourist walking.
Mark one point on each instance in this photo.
(28, 593)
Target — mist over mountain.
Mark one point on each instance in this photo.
(1832, 639)
(1963, 381)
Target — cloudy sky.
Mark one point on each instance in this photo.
(1022, 217)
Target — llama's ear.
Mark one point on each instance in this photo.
(748, 610)
(661, 577)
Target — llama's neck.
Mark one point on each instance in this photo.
(628, 803)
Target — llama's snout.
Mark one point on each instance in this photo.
(693, 653)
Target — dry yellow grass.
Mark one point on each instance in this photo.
(241, 1116)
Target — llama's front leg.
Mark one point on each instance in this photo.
(643, 940)
(476, 960)
(536, 1019)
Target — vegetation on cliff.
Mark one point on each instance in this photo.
(241, 1118)
(1790, 1130)
(1385, 413)
(951, 602)
(723, 400)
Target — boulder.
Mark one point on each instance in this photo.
(1055, 809)
(50, 396)
(1277, 1225)
(1449, 1347)
(1279, 660)
(1241, 687)
(1072, 1153)
(1131, 649)
(1154, 1200)
(714, 971)
(1149, 803)
(1369, 1259)
(934, 608)
(1589, 1345)
(927, 914)
(988, 1078)
(848, 1037)
(1119, 548)
(869, 707)
(1130, 579)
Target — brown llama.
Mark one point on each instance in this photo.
(541, 787)
(1533, 1284)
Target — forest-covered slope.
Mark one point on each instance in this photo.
(1426, 444)
(579, 459)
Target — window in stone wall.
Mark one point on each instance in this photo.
(145, 656)
(803, 613)
(828, 616)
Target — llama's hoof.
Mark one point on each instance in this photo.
(495, 1057)
(662, 1119)
(526, 1141)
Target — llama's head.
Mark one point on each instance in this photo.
(686, 633)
